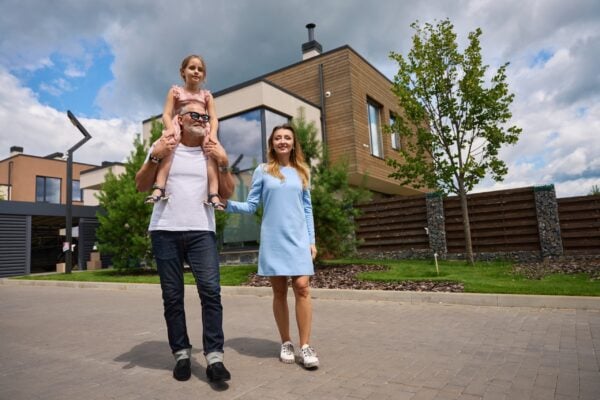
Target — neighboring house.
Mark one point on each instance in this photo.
(93, 178)
(342, 93)
(33, 210)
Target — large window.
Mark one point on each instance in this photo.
(374, 111)
(47, 189)
(244, 136)
(395, 136)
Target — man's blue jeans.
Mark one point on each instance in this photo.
(199, 250)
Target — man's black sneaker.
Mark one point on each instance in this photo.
(182, 370)
(216, 372)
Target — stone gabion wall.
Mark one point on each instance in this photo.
(436, 227)
(548, 223)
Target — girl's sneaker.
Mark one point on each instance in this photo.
(308, 357)
(287, 353)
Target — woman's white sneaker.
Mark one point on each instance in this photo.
(287, 353)
(308, 357)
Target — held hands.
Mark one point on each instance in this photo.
(313, 251)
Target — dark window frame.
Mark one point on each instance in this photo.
(45, 190)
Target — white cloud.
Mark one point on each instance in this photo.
(74, 72)
(45, 62)
(57, 87)
(42, 130)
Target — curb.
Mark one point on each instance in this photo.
(410, 297)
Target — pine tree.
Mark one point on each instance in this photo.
(123, 230)
(332, 196)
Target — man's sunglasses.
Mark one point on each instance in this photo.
(196, 116)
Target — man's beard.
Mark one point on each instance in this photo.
(196, 131)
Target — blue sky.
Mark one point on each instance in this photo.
(112, 62)
(63, 82)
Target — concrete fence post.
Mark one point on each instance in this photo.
(546, 208)
(436, 226)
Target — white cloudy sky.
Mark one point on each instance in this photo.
(111, 63)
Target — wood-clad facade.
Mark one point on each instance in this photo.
(344, 83)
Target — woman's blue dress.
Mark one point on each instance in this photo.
(287, 228)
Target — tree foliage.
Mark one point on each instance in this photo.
(454, 124)
(333, 199)
(123, 230)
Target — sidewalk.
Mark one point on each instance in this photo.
(108, 341)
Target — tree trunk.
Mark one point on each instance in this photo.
(466, 225)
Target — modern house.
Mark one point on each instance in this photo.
(33, 193)
(347, 98)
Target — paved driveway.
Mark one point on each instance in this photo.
(89, 343)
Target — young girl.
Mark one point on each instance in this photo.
(193, 73)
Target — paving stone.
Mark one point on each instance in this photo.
(101, 343)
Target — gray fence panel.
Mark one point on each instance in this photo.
(87, 238)
(15, 245)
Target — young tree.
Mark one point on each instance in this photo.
(332, 197)
(123, 229)
(454, 124)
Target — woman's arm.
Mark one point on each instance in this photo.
(310, 223)
(308, 215)
(254, 196)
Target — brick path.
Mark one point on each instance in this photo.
(84, 343)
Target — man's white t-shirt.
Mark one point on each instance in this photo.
(187, 187)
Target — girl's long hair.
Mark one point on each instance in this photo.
(296, 158)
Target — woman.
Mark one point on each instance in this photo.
(287, 236)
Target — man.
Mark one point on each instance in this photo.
(183, 229)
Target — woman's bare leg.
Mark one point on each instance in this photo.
(301, 285)
(280, 306)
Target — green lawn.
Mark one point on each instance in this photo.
(484, 277)
(230, 276)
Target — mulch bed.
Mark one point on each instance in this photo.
(344, 276)
(590, 267)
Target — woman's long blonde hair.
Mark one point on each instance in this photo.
(296, 158)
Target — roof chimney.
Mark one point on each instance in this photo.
(14, 150)
(312, 48)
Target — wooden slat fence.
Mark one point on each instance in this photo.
(393, 224)
(501, 221)
(580, 224)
